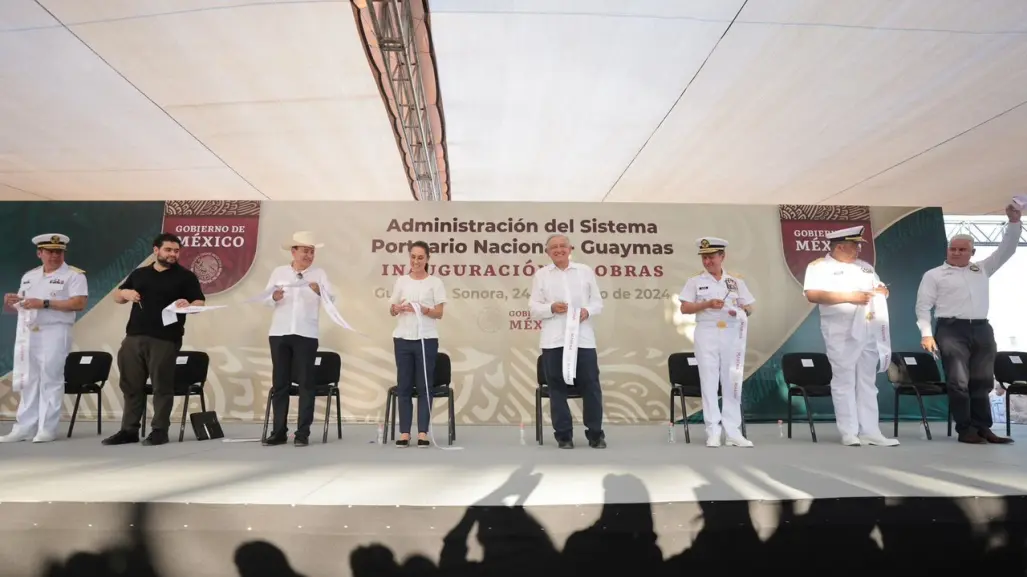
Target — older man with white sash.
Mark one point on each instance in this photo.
(721, 303)
(46, 302)
(565, 296)
(854, 322)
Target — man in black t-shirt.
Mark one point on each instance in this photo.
(150, 347)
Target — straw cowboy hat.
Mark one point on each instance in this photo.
(302, 238)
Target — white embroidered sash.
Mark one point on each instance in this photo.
(22, 339)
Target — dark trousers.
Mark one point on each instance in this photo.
(139, 358)
(292, 361)
(968, 356)
(411, 367)
(586, 381)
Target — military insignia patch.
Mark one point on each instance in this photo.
(868, 270)
(731, 284)
(975, 268)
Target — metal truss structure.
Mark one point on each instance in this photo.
(985, 232)
(402, 70)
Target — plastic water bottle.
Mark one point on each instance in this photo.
(670, 432)
(381, 433)
(780, 428)
(522, 434)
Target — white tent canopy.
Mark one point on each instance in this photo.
(880, 102)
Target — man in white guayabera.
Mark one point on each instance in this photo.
(854, 322)
(565, 296)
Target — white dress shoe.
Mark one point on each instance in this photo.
(44, 438)
(878, 441)
(13, 438)
(713, 442)
(738, 442)
(851, 441)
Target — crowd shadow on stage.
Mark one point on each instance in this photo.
(855, 536)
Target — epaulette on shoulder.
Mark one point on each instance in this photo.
(735, 275)
(76, 269)
(697, 273)
(818, 261)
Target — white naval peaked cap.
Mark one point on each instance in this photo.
(851, 234)
(710, 244)
(302, 238)
(1020, 201)
(51, 241)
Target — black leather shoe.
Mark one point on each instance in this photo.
(273, 440)
(599, 443)
(568, 444)
(300, 442)
(122, 438)
(156, 437)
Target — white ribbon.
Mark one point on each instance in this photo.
(333, 314)
(170, 313)
(738, 361)
(570, 344)
(873, 317)
(22, 339)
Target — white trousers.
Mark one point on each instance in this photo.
(854, 379)
(717, 352)
(42, 396)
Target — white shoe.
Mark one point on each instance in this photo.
(738, 442)
(878, 441)
(13, 438)
(44, 438)
(713, 442)
(851, 441)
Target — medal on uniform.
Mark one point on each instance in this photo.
(975, 268)
(870, 316)
(721, 325)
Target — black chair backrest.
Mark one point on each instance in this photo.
(191, 368)
(87, 367)
(806, 369)
(1010, 367)
(443, 371)
(540, 372)
(327, 368)
(683, 369)
(917, 367)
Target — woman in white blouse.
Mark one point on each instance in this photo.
(416, 340)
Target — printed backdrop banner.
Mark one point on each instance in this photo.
(485, 254)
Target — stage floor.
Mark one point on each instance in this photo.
(355, 471)
(641, 507)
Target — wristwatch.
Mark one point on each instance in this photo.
(46, 304)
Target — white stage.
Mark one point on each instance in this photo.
(354, 471)
(641, 506)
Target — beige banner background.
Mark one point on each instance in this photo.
(493, 352)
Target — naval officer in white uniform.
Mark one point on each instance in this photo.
(47, 300)
(854, 323)
(721, 303)
(958, 292)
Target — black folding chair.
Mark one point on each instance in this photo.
(683, 369)
(190, 379)
(327, 374)
(807, 375)
(86, 373)
(442, 388)
(916, 374)
(542, 392)
(1011, 373)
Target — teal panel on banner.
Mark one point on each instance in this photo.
(904, 252)
(108, 240)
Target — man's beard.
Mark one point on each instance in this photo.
(166, 262)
